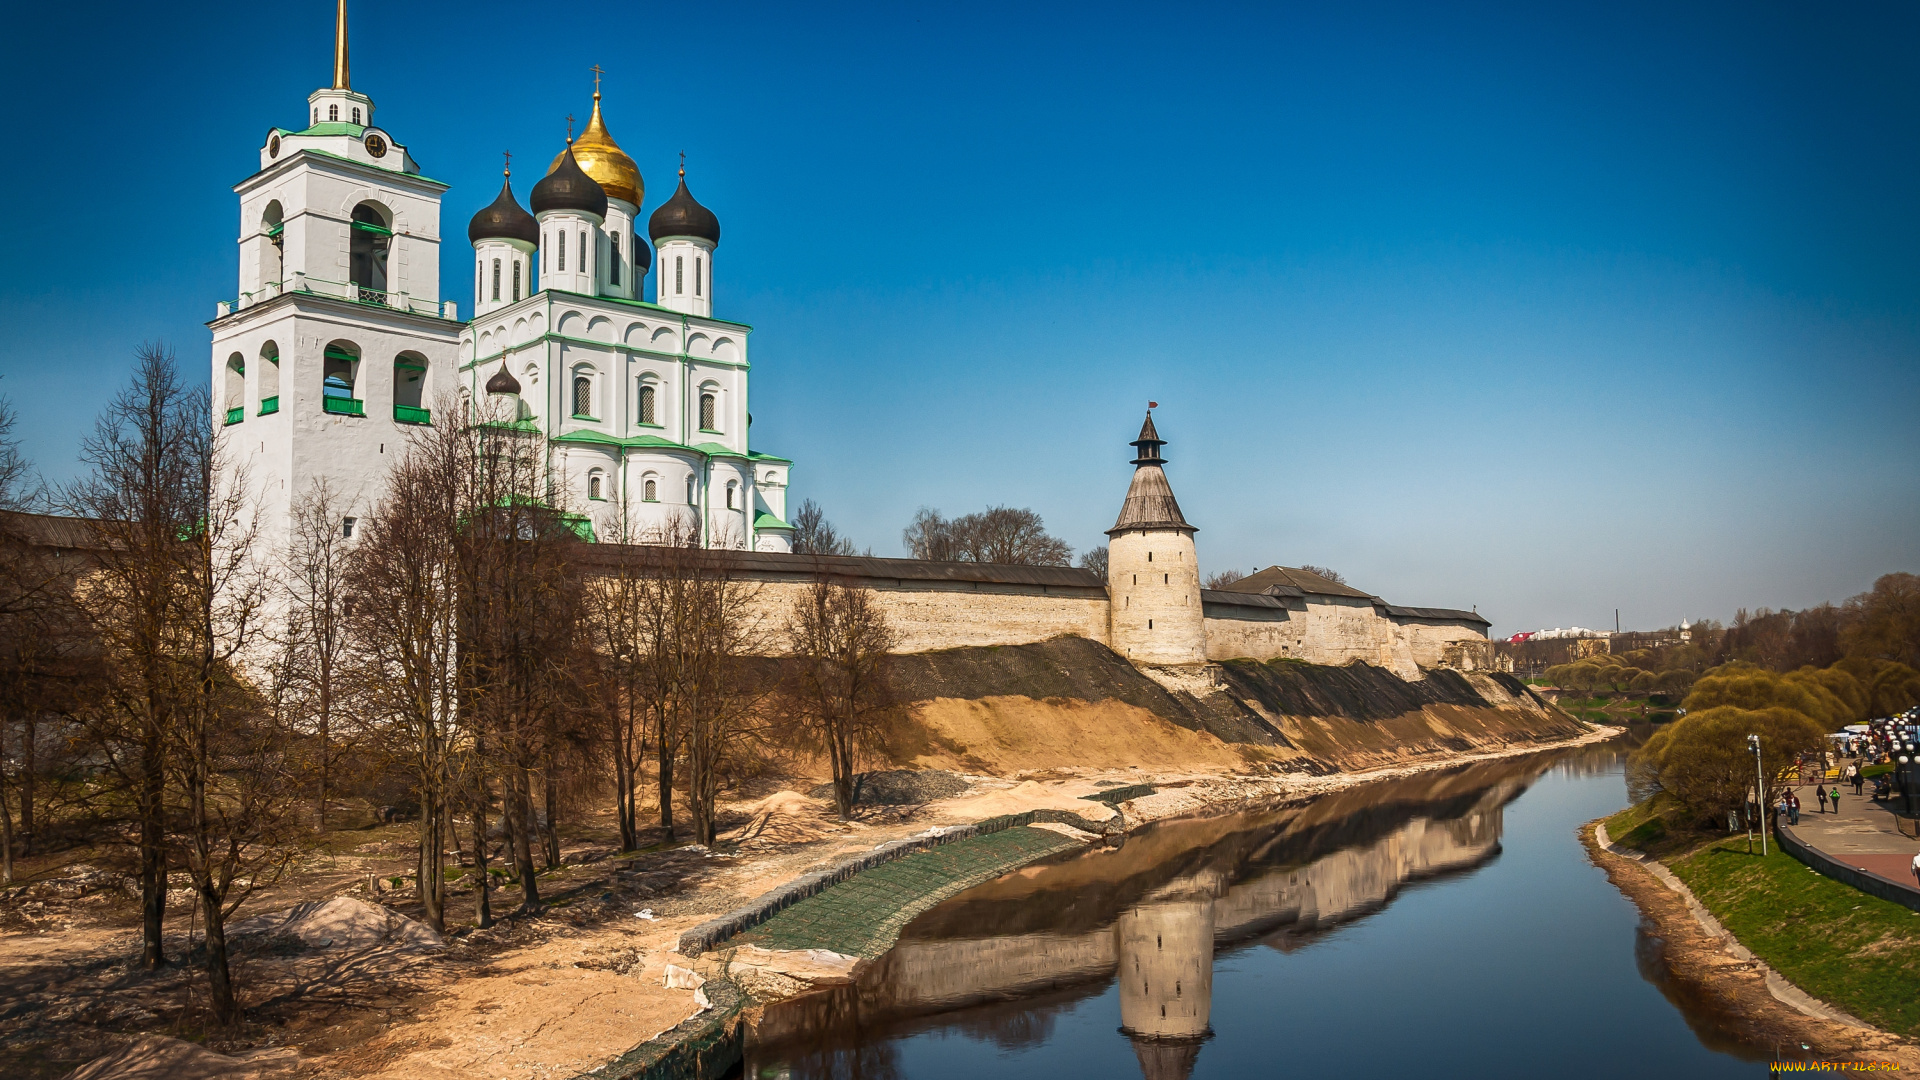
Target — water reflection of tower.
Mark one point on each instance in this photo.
(1165, 949)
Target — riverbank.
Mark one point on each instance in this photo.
(559, 993)
(796, 947)
(1688, 909)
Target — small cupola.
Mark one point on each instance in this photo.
(685, 235)
(567, 188)
(504, 219)
(683, 215)
(503, 381)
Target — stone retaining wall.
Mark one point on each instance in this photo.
(1866, 881)
(711, 933)
(702, 1047)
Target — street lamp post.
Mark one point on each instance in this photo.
(1759, 790)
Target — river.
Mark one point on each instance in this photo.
(1444, 925)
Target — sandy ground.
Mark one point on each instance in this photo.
(560, 993)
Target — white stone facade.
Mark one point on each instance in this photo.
(337, 344)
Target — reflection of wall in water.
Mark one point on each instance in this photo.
(1165, 949)
(1355, 880)
(1271, 890)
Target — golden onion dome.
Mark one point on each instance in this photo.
(601, 158)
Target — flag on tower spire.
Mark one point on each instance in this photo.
(340, 79)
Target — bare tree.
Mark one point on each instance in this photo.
(813, 534)
(998, 534)
(313, 637)
(227, 756)
(841, 643)
(619, 638)
(1095, 559)
(404, 577)
(1220, 579)
(718, 690)
(144, 497)
(932, 537)
(17, 491)
(28, 592)
(520, 609)
(1321, 571)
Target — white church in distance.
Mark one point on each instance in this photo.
(339, 343)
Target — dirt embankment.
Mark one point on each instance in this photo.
(1699, 969)
(1071, 702)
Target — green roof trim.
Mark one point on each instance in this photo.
(334, 127)
(581, 525)
(650, 307)
(755, 455)
(591, 437)
(364, 165)
(768, 521)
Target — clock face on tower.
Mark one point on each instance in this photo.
(376, 145)
(273, 146)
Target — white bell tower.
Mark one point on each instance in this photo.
(337, 342)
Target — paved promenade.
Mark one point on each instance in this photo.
(1864, 834)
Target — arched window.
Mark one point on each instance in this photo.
(409, 389)
(316, 114)
(585, 266)
(677, 261)
(271, 251)
(563, 250)
(691, 501)
(649, 491)
(593, 485)
(582, 396)
(613, 268)
(496, 279)
(269, 378)
(516, 279)
(356, 114)
(333, 114)
(236, 388)
(696, 275)
(368, 244)
(707, 413)
(732, 490)
(646, 404)
(342, 363)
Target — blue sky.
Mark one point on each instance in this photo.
(1549, 309)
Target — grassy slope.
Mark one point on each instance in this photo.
(1857, 951)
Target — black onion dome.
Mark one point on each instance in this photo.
(642, 256)
(504, 219)
(567, 188)
(683, 215)
(503, 381)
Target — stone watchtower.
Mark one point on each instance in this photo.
(1153, 577)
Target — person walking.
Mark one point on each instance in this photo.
(1820, 792)
(1793, 807)
(1916, 869)
(1834, 795)
(1859, 780)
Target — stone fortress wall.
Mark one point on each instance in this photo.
(937, 605)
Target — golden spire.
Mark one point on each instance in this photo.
(601, 158)
(340, 80)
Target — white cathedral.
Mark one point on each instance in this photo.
(339, 343)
